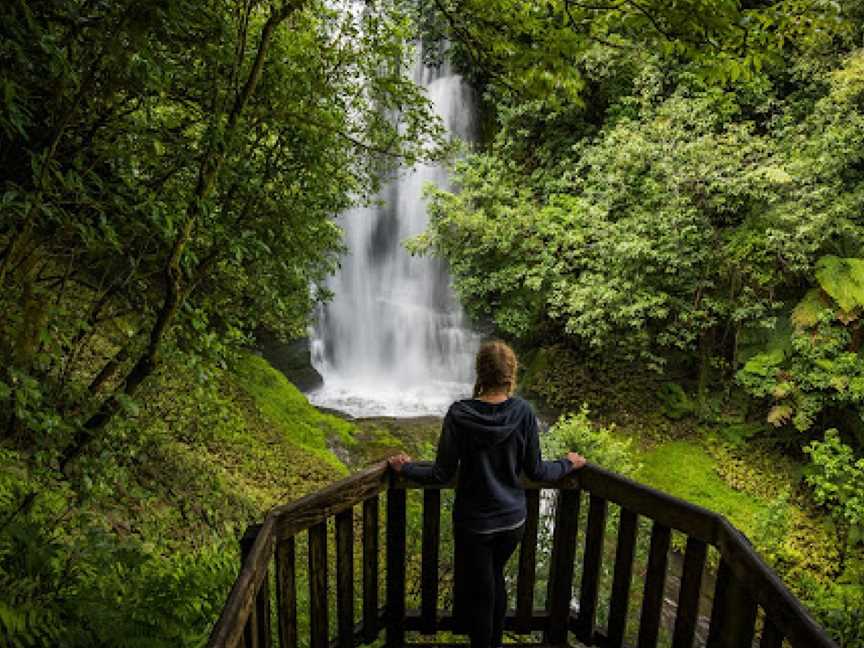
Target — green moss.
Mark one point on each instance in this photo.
(686, 470)
(283, 404)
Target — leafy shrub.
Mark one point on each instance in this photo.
(837, 479)
(597, 444)
(676, 403)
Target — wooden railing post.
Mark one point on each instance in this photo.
(429, 560)
(257, 631)
(527, 563)
(345, 577)
(286, 593)
(733, 615)
(560, 586)
(688, 594)
(655, 582)
(395, 568)
(591, 569)
(624, 553)
(319, 626)
(370, 569)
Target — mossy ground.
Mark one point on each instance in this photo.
(686, 470)
(140, 546)
(714, 458)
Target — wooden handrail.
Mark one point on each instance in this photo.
(744, 582)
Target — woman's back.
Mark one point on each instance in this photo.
(493, 445)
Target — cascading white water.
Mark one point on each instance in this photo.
(394, 340)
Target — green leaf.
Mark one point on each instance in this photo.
(843, 279)
(806, 313)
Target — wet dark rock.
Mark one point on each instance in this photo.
(294, 359)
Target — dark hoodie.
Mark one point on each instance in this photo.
(492, 445)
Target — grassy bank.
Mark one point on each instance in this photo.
(140, 548)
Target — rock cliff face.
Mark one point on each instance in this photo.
(294, 359)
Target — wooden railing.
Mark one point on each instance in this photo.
(744, 584)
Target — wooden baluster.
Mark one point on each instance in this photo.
(771, 636)
(735, 621)
(560, 586)
(688, 596)
(591, 569)
(718, 612)
(395, 568)
(250, 631)
(262, 611)
(370, 569)
(655, 581)
(527, 564)
(624, 553)
(429, 567)
(318, 619)
(345, 577)
(286, 593)
(460, 594)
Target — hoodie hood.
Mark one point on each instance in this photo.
(486, 424)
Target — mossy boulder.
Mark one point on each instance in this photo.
(293, 359)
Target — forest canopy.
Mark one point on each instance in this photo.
(675, 187)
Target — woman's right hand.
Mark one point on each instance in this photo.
(397, 461)
(576, 459)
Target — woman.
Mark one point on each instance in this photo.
(493, 439)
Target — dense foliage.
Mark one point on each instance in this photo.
(683, 195)
(673, 219)
(170, 171)
(170, 174)
(674, 188)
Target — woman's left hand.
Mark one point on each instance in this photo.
(397, 461)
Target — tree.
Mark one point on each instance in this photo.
(170, 174)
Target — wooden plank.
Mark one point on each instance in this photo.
(771, 636)
(318, 617)
(718, 611)
(560, 586)
(297, 516)
(670, 511)
(624, 553)
(591, 569)
(788, 614)
(655, 581)
(395, 568)
(739, 616)
(429, 565)
(250, 631)
(262, 613)
(688, 595)
(527, 562)
(286, 593)
(537, 621)
(228, 631)
(370, 569)
(345, 577)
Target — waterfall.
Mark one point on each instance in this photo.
(394, 340)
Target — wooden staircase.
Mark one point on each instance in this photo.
(750, 602)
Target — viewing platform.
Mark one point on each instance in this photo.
(750, 603)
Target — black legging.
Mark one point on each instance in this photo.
(481, 598)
